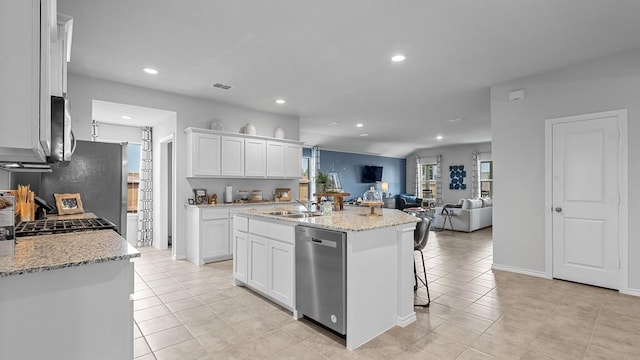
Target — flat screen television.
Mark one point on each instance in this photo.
(371, 174)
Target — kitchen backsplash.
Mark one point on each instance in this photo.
(267, 186)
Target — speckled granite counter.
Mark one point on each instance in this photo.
(350, 219)
(50, 252)
(244, 204)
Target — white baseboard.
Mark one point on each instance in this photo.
(180, 257)
(518, 270)
(630, 291)
(406, 320)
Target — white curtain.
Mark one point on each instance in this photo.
(145, 198)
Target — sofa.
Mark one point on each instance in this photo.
(404, 201)
(468, 215)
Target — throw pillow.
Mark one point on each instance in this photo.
(476, 203)
(466, 204)
(486, 202)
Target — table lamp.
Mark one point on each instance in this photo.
(385, 188)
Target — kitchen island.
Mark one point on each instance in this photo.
(67, 296)
(379, 263)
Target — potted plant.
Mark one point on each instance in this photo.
(321, 181)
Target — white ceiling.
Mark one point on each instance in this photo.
(331, 59)
(112, 113)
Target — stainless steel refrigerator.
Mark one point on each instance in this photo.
(98, 172)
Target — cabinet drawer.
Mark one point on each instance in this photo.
(240, 223)
(210, 214)
(272, 230)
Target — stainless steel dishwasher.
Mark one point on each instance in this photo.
(321, 276)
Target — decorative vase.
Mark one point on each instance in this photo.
(279, 134)
(333, 183)
(250, 129)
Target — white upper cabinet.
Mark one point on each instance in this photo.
(25, 102)
(255, 157)
(293, 160)
(275, 159)
(222, 154)
(232, 158)
(203, 159)
(60, 54)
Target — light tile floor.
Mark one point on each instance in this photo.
(183, 311)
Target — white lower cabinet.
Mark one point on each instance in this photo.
(258, 261)
(281, 272)
(263, 258)
(208, 235)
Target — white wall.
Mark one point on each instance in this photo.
(451, 155)
(518, 151)
(190, 112)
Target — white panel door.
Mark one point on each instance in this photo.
(258, 261)
(232, 156)
(585, 201)
(214, 237)
(240, 256)
(255, 157)
(281, 272)
(275, 159)
(293, 161)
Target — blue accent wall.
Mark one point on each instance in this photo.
(350, 167)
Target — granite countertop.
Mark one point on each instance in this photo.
(241, 204)
(352, 218)
(50, 252)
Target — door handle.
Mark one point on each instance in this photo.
(558, 209)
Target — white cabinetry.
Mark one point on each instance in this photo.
(208, 236)
(293, 160)
(25, 102)
(264, 258)
(222, 154)
(203, 159)
(60, 51)
(254, 157)
(275, 159)
(232, 156)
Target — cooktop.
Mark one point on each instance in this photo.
(46, 227)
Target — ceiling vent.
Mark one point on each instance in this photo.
(221, 86)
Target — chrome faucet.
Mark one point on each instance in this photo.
(306, 204)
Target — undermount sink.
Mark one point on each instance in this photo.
(295, 214)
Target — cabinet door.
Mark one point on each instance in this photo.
(258, 272)
(281, 272)
(24, 104)
(214, 239)
(240, 256)
(275, 159)
(255, 157)
(205, 155)
(232, 156)
(293, 161)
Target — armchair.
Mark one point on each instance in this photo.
(408, 200)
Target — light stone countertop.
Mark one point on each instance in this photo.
(50, 252)
(352, 218)
(244, 204)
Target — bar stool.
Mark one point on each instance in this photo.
(420, 237)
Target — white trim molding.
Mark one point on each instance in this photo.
(517, 270)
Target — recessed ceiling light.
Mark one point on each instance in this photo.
(334, 123)
(127, 117)
(150, 71)
(398, 58)
(359, 124)
(439, 137)
(455, 120)
(280, 101)
(364, 134)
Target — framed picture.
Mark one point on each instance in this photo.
(202, 199)
(199, 192)
(69, 204)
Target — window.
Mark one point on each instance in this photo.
(428, 176)
(133, 177)
(486, 178)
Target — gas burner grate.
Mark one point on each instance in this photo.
(43, 227)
